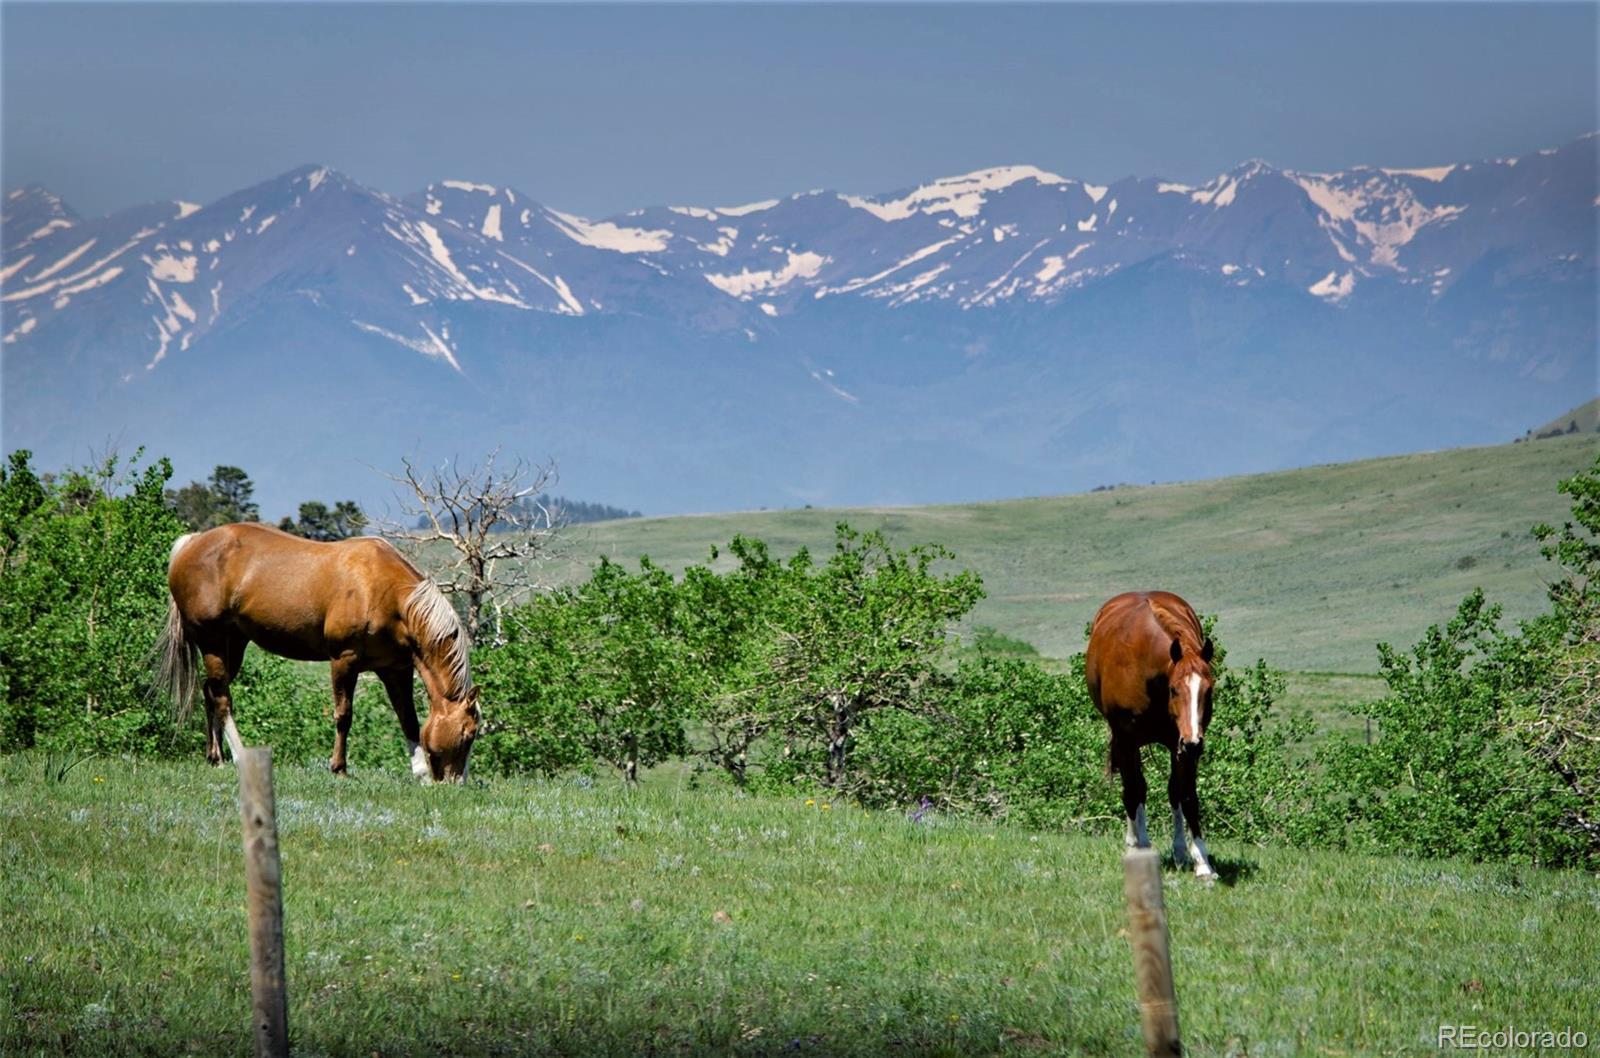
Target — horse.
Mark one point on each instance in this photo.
(357, 604)
(1148, 667)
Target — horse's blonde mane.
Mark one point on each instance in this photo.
(435, 624)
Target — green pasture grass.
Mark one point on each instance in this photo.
(1327, 698)
(577, 918)
(1306, 568)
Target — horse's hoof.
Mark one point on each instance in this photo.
(338, 769)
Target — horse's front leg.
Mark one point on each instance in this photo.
(397, 681)
(1125, 753)
(345, 671)
(1183, 794)
(1175, 783)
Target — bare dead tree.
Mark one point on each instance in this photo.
(492, 522)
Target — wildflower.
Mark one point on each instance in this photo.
(810, 801)
(99, 778)
(578, 936)
(826, 806)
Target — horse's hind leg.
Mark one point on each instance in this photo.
(1125, 754)
(397, 681)
(345, 671)
(221, 658)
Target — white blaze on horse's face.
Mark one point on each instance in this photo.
(1191, 694)
(1194, 706)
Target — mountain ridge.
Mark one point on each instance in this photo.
(999, 326)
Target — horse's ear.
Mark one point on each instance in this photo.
(1206, 651)
(1177, 650)
(472, 702)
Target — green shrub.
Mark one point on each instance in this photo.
(599, 671)
(83, 594)
(1444, 778)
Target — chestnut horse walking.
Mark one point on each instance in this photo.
(357, 604)
(1149, 673)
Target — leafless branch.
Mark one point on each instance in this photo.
(479, 530)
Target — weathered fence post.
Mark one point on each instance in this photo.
(1152, 961)
(264, 895)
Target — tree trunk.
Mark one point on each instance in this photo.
(838, 739)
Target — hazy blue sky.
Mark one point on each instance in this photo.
(597, 109)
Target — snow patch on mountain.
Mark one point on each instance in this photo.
(441, 256)
(1436, 174)
(1333, 287)
(64, 262)
(857, 284)
(432, 345)
(746, 210)
(491, 223)
(1384, 216)
(747, 282)
(962, 195)
(16, 266)
(170, 269)
(604, 235)
(570, 305)
(53, 225)
(21, 329)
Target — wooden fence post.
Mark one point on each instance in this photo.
(1152, 961)
(264, 896)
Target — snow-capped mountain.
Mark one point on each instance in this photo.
(1008, 330)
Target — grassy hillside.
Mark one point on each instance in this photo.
(1585, 417)
(1307, 568)
(583, 919)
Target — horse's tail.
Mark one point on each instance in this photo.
(177, 655)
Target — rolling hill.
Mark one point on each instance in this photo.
(1307, 568)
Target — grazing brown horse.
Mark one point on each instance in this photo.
(1149, 673)
(357, 604)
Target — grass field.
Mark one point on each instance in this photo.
(526, 917)
(1306, 568)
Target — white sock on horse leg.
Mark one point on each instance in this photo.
(1137, 837)
(1202, 862)
(419, 761)
(235, 743)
